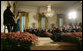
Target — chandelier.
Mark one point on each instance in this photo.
(49, 12)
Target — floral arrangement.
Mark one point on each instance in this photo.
(77, 35)
(47, 33)
(22, 40)
(75, 38)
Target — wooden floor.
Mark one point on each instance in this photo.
(45, 43)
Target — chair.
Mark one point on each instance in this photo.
(5, 27)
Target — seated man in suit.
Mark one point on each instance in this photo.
(78, 29)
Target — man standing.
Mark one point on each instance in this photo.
(8, 17)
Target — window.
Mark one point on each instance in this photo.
(23, 22)
(43, 22)
(60, 21)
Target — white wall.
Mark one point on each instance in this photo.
(77, 20)
(3, 7)
(33, 11)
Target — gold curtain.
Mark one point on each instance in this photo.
(27, 20)
(21, 22)
(46, 22)
(57, 21)
(39, 20)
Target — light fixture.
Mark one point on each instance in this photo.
(49, 12)
(72, 15)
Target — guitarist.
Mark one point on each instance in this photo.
(9, 21)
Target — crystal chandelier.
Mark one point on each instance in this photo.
(49, 12)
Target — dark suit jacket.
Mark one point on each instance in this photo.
(8, 17)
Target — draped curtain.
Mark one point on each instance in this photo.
(58, 17)
(21, 22)
(26, 21)
(46, 22)
(40, 19)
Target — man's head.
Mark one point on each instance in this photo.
(9, 6)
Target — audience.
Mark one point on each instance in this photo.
(54, 31)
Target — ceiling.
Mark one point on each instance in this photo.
(57, 4)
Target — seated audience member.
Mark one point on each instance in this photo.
(78, 29)
(64, 29)
(50, 30)
(73, 29)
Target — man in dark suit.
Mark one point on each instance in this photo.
(8, 17)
